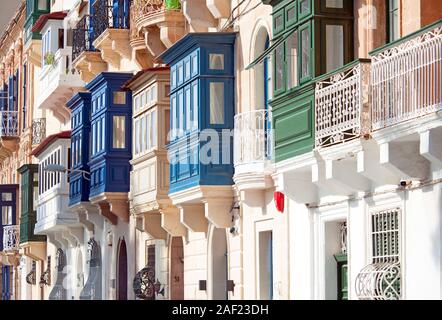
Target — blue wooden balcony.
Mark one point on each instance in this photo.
(111, 134)
(80, 106)
(202, 105)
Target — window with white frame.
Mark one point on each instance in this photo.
(381, 279)
(46, 47)
(48, 180)
(145, 133)
(146, 98)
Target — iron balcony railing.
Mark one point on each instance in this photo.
(253, 137)
(407, 79)
(82, 37)
(8, 124)
(38, 130)
(145, 8)
(342, 105)
(111, 15)
(11, 238)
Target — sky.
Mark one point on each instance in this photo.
(8, 9)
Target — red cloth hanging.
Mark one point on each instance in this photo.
(279, 201)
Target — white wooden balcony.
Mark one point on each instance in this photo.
(53, 198)
(11, 238)
(253, 148)
(342, 105)
(58, 82)
(407, 79)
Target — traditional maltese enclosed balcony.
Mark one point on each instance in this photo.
(53, 214)
(253, 148)
(150, 167)
(160, 22)
(111, 24)
(85, 57)
(406, 78)
(342, 105)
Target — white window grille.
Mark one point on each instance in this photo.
(381, 280)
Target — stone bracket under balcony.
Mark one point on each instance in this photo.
(341, 168)
(113, 206)
(151, 224)
(34, 250)
(170, 221)
(216, 201)
(114, 46)
(193, 217)
(90, 64)
(431, 145)
(161, 29)
(403, 159)
(198, 15)
(296, 179)
(33, 52)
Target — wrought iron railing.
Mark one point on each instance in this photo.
(144, 8)
(253, 137)
(9, 124)
(379, 281)
(342, 105)
(38, 130)
(407, 79)
(111, 15)
(11, 238)
(82, 37)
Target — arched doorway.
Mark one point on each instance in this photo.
(122, 271)
(176, 269)
(219, 264)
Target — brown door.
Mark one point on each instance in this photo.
(122, 271)
(177, 269)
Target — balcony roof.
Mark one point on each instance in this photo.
(44, 18)
(195, 40)
(128, 84)
(49, 140)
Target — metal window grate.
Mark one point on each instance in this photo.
(385, 236)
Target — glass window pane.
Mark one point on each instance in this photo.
(216, 61)
(338, 4)
(118, 131)
(180, 114)
(137, 136)
(6, 215)
(194, 112)
(153, 93)
(42, 5)
(304, 6)
(216, 103)
(334, 35)
(305, 58)
(144, 134)
(173, 119)
(119, 97)
(153, 128)
(103, 135)
(279, 67)
(35, 198)
(292, 60)
(188, 108)
(291, 13)
(278, 22)
(6, 196)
